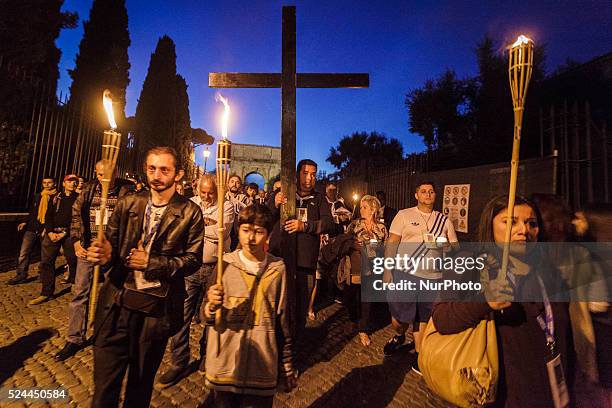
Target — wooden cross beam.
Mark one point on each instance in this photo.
(288, 80)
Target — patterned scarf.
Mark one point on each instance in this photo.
(45, 195)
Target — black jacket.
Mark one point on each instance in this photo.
(59, 211)
(176, 251)
(320, 221)
(331, 254)
(80, 230)
(523, 379)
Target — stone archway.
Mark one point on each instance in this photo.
(249, 158)
(255, 177)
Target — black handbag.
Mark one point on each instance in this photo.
(148, 301)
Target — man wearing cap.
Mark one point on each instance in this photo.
(57, 235)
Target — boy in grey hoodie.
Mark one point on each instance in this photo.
(251, 350)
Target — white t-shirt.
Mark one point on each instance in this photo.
(253, 266)
(411, 224)
(153, 221)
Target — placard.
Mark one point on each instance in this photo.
(455, 205)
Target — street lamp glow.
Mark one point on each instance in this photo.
(206, 156)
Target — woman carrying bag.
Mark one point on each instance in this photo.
(516, 342)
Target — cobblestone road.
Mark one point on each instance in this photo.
(339, 371)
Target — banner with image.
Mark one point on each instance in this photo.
(455, 205)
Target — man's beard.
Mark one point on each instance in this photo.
(206, 203)
(234, 190)
(160, 186)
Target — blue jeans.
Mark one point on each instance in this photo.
(195, 284)
(27, 245)
(78, 307)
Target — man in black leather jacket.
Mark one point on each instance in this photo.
(153, 240)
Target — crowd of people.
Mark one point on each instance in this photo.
(159, 257)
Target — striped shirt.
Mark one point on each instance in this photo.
(412, 225)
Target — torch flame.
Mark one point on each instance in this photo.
(226, 113)
(521, 40)
(107, 101)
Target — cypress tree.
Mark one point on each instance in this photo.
(102, 61)
(28, 30)
(162, 114)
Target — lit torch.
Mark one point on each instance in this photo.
(520, 65)
(223, 168)
(110, 152)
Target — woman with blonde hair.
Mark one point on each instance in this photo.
(369, 235)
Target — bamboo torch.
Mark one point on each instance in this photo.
(223, 167)
(110, 152)
(520, 65)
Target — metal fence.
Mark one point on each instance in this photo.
(583, 149)
(573, 163)
(45, 137)
(536, 175)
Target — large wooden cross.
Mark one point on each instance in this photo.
(288, 80)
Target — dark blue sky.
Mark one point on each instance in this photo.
(399, 43)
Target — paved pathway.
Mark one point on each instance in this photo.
(339, 372)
